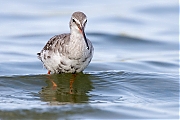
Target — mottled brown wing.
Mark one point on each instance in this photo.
(56, 42)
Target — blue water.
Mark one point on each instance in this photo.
(134, 72)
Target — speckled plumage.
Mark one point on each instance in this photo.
(71, 52)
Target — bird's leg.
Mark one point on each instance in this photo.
(71, 83)
(53, 83)
(49, 72)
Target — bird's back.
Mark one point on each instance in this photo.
(55, 44)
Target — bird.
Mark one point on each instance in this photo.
(69, 52)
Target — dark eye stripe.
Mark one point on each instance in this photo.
(73, 20)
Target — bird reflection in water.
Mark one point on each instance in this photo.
(66, 88)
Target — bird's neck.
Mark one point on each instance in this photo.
(76, 37)
(77, 44)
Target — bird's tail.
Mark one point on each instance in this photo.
(39, 55)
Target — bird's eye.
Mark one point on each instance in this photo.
(73, 20)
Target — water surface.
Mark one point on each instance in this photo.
(133, 74)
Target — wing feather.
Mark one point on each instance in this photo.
(56, 43)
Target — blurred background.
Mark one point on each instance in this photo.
(135, 65)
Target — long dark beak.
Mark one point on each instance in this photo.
(83, 33)
(85, 38)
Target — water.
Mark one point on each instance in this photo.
(133, 74)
